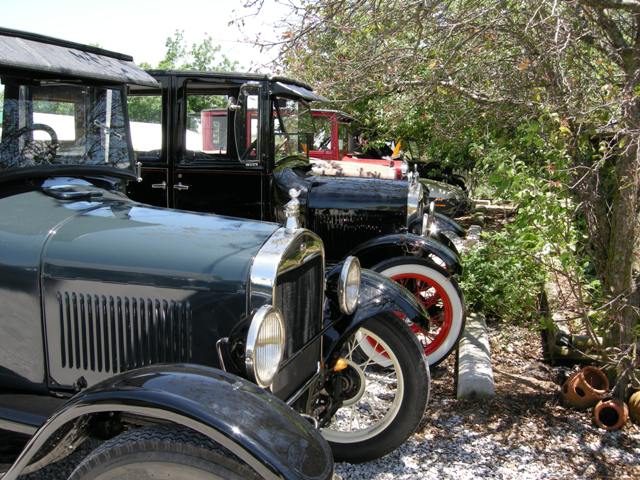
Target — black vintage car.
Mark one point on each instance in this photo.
(181, 343)
(238, 144)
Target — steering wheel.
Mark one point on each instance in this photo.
(36, 151)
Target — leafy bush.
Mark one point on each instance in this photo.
(502, 280)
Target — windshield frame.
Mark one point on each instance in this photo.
(13, 172)
(276, 115)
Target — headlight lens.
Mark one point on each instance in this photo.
(265, 345)
(349, 285)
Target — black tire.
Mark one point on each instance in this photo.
(403, 417)
(162, 451)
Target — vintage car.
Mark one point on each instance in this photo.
(334, 153)
(237, 144)
(182, 343)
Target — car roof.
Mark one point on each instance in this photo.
(281, 85)
(25, 53)
(339, 113)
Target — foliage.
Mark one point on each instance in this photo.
(538, 96)
(502, 279)
(203, 56)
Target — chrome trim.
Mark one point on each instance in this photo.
(342, 285)
(17, 427)
(281, 252)
(415, 197)
(138, 172)
(310, 419)
(219, 350)
(292, 211)
(252, 337)
(429, 227)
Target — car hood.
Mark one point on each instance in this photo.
(442, 190)
(109, 238)
(357, 193)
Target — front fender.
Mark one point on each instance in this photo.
(385, 247)
(446, 224)
(379, 295)
(254, 425)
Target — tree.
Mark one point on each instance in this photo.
(203, 56)
(453, 73)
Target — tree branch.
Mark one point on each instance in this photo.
(627, 5)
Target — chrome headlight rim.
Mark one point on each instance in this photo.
(348, 297)
(257, 322)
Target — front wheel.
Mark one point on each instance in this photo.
(381, 405)
(441, 297)
(161, 452)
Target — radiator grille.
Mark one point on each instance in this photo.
(342, 230)
(299, 295)
(113, 334)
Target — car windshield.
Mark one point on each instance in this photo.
(293, 128)
(47, 123)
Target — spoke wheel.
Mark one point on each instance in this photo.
(440, 296)
(381, 405)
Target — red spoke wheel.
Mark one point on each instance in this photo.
(441, 297)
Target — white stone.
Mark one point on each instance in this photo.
(475, 374)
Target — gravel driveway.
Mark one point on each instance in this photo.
(524, 433)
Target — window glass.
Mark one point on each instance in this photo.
(343, 136)
(246, 126)
(54, 123)
(145, 116)
(293, 128)
(207, 127)
(322, 134)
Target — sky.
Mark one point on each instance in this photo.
(140, 27)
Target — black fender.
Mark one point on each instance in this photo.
(378, 295)
(238, 415)
(446, 224)
(385, 247)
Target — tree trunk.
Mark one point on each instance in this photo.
(619, 281)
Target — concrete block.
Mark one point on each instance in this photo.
(475, 374)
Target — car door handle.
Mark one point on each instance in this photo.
(161, 186)
(180, 186)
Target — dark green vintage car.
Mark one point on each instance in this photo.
(124, 323)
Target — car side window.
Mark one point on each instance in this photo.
(206, 129)
(146, 121)
(322, 140)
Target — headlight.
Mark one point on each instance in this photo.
(415, 198)
(349, 285)
(265, 345)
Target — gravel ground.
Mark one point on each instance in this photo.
(523, 433)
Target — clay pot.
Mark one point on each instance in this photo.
(634, 406)
(583, 389)
(611, 414)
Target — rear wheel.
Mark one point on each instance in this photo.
(381, 405)
(440, 296)
(161, 452)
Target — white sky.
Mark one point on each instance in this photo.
(140, 27)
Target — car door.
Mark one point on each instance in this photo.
(150, 115)
(207, 174)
